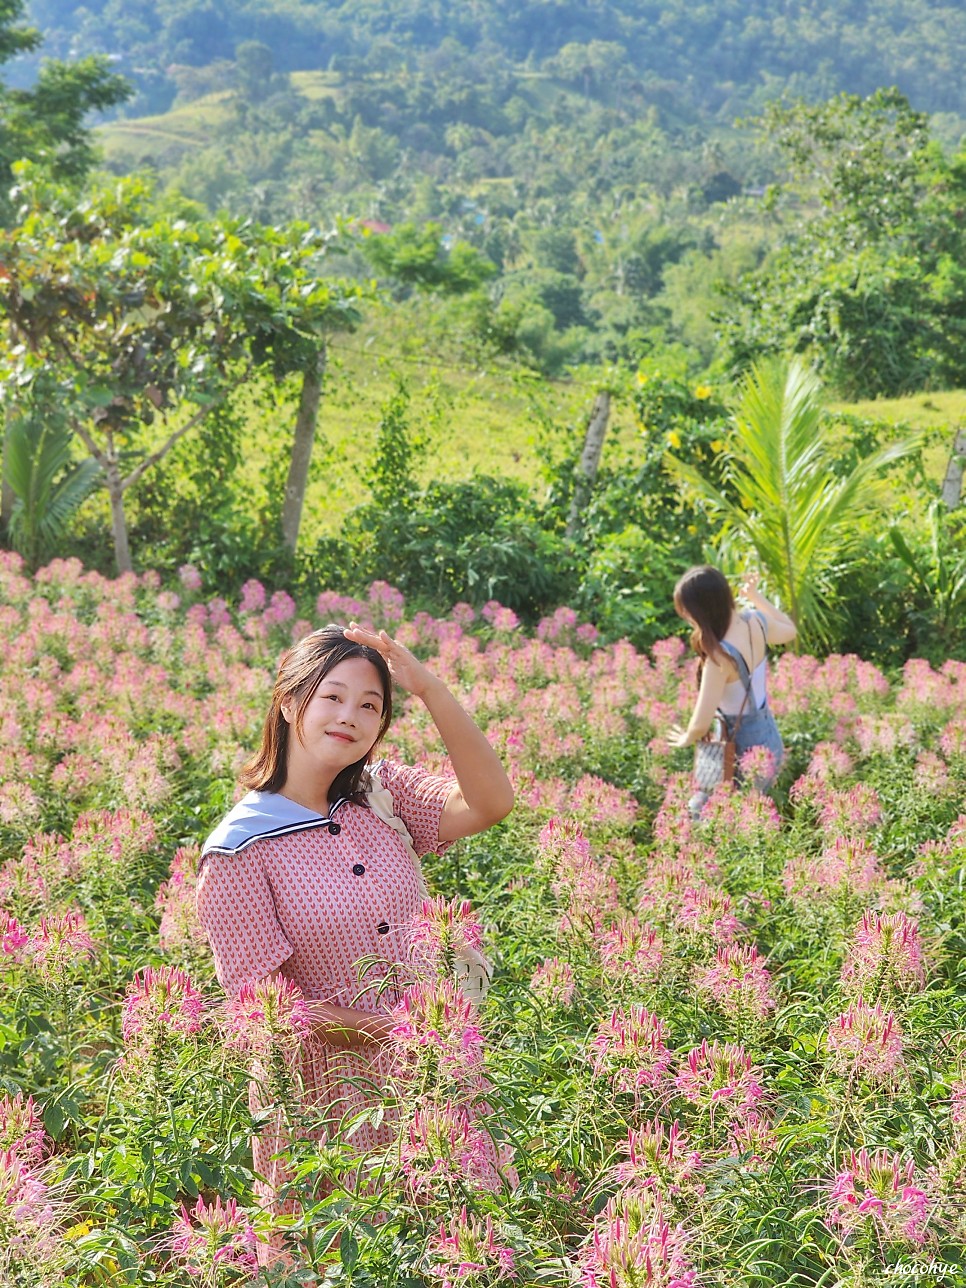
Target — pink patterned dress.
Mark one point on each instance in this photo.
(316, 897)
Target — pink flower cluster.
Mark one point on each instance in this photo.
(175, 900)
(444, 1145)
(631, 951)
(721, 1078)
(553, 982)
(271, 1015)
(467, 1253)
(436, 1026)
(161, 1000)
(865, 1042)
(59, 947)
(737, 981)
(658, 1158)
(635, 1246)
(629, 1049)
(876, 1192)
(885, 954)
(210, 1239)
(442, 930)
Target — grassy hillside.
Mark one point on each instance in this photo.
(490, 419)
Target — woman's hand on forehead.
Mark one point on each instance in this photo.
(406, 670)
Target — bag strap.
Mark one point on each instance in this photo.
(744, 675)
(473, 971)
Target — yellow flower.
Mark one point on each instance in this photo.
(693, 529)
(703, 391)
(673, 438)
(641, 378)
(717, 445)
(77, 1231)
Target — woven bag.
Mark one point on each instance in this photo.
(715, 754)
(714, 758)
(473, 971)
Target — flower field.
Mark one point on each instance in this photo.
(730, 1052)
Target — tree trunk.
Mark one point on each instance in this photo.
(589, 460)
(7, 496)
(298, 471)
(115, 490)
(952, 489)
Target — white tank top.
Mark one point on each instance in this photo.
(734, 693)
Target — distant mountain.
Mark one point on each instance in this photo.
(721, 55)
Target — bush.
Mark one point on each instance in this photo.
(475, 540)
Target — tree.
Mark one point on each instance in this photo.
(47, 122)
(48, 483)
(143, 322)
(423, 257)
(868, 282)
(781, 500)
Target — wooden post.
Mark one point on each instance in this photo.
(952, 489)
(589, 460)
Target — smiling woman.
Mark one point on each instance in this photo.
(304, 880)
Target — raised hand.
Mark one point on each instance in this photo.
(407, 670)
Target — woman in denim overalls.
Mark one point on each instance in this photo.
(733, 648)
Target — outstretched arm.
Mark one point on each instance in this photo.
(482, 795)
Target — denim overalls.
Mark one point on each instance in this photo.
(756, 728)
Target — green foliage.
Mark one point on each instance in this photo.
(935, 555)
(47, 122)
(867, 283)
(422, 257)
(48, 483)
(788, 506)
(129, 315)
(474, 540)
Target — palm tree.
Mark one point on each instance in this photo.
(782, 502)
(47, 483)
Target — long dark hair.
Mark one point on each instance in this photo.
(301, 670)
(704, 595)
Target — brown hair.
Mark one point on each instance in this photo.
(300, 671)
(704, 595)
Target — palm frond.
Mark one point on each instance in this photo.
(780, 494)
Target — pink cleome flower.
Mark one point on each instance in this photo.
(22, 1134)
(866, 1042)
(443, 929)
(553, 982)
(13, 937)
(190, 577)
(738, 981)
(269, 1015)
(213, 1237)
(436, 1024)
(876, 1191)
(629, 1049)
(631, 950)
(634, 1245)
(468, 1253)
(60, 945)
(885, 952)
(658, 1158)
(720, 1076)
(443, 1145)
(162, 998)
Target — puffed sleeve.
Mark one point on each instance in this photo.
(237, 910)
(418, 799)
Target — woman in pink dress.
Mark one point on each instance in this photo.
(302, 879)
